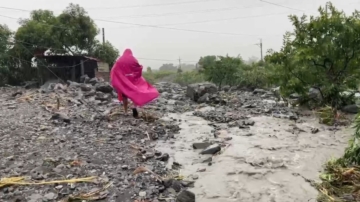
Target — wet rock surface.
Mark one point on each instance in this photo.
(77, 130)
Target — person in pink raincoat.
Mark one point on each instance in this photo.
(127, 80)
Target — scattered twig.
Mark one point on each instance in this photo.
(148, 135)
(142, 169)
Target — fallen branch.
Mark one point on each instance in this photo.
(20, 181)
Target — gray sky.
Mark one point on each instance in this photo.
(246, 20)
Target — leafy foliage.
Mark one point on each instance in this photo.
(105, 52)
(223, 71)
(322, 52)
(71, 32)
(183, 78)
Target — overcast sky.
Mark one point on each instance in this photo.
(185, 29)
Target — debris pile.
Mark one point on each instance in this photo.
(77, 130)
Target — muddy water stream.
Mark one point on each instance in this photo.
(271, 161)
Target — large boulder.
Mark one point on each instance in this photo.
(197, 90)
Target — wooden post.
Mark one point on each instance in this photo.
(82, 68)
(73, 70)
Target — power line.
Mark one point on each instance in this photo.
(154, 26)
(282, 6)
(186, 12)
(49, 48)
(224, 19)
(172, 28)
(151, 5)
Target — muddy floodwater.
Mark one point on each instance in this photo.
(274, 160)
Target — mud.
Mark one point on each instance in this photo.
(274, 160)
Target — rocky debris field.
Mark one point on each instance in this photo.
(79, 130)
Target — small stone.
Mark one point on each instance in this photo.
(61, 116)
(142, 194)
(201, 145)
(85, 87)
(314, 130)
(35, 198)
(185, 196)
(213, 149)
(158, 153)
(201, 170)
(164, 157)
(125, 167)
(188, 183)
(207, 160)
(249, 123)
(176, 185)
(50, 196)
(195, 177)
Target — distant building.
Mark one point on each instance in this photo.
(67, 67)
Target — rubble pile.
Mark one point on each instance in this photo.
(75, 130)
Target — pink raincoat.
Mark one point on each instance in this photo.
(126, 78)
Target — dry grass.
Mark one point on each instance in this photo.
(339, 184)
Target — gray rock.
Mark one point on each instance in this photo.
(213, 149)
(59, 86)
(201, 145)
(315, 94)
(195, 91)
(104, 87)
(259, 91)
(204, 98)
(35, 198)
(185, 196)
(295, 96)
(84, 79)
(186, 183)
(352, 109)
(50, 196)
(85, 87)
(93, 81)
(61, 116)
(31, 84)
(73, 84)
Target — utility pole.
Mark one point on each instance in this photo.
(179, 68)
(103, 36)
(261, 49)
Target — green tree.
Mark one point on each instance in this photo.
(148, 69)
(206, 61)
(105, 52)
(80, 31)
(322, 52)
(35, 34)
(223, 71)
(5, 58)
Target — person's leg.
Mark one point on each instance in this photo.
(135, 113)
(125, 102)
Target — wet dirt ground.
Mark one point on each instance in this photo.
(274, 160)
(264, 159)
